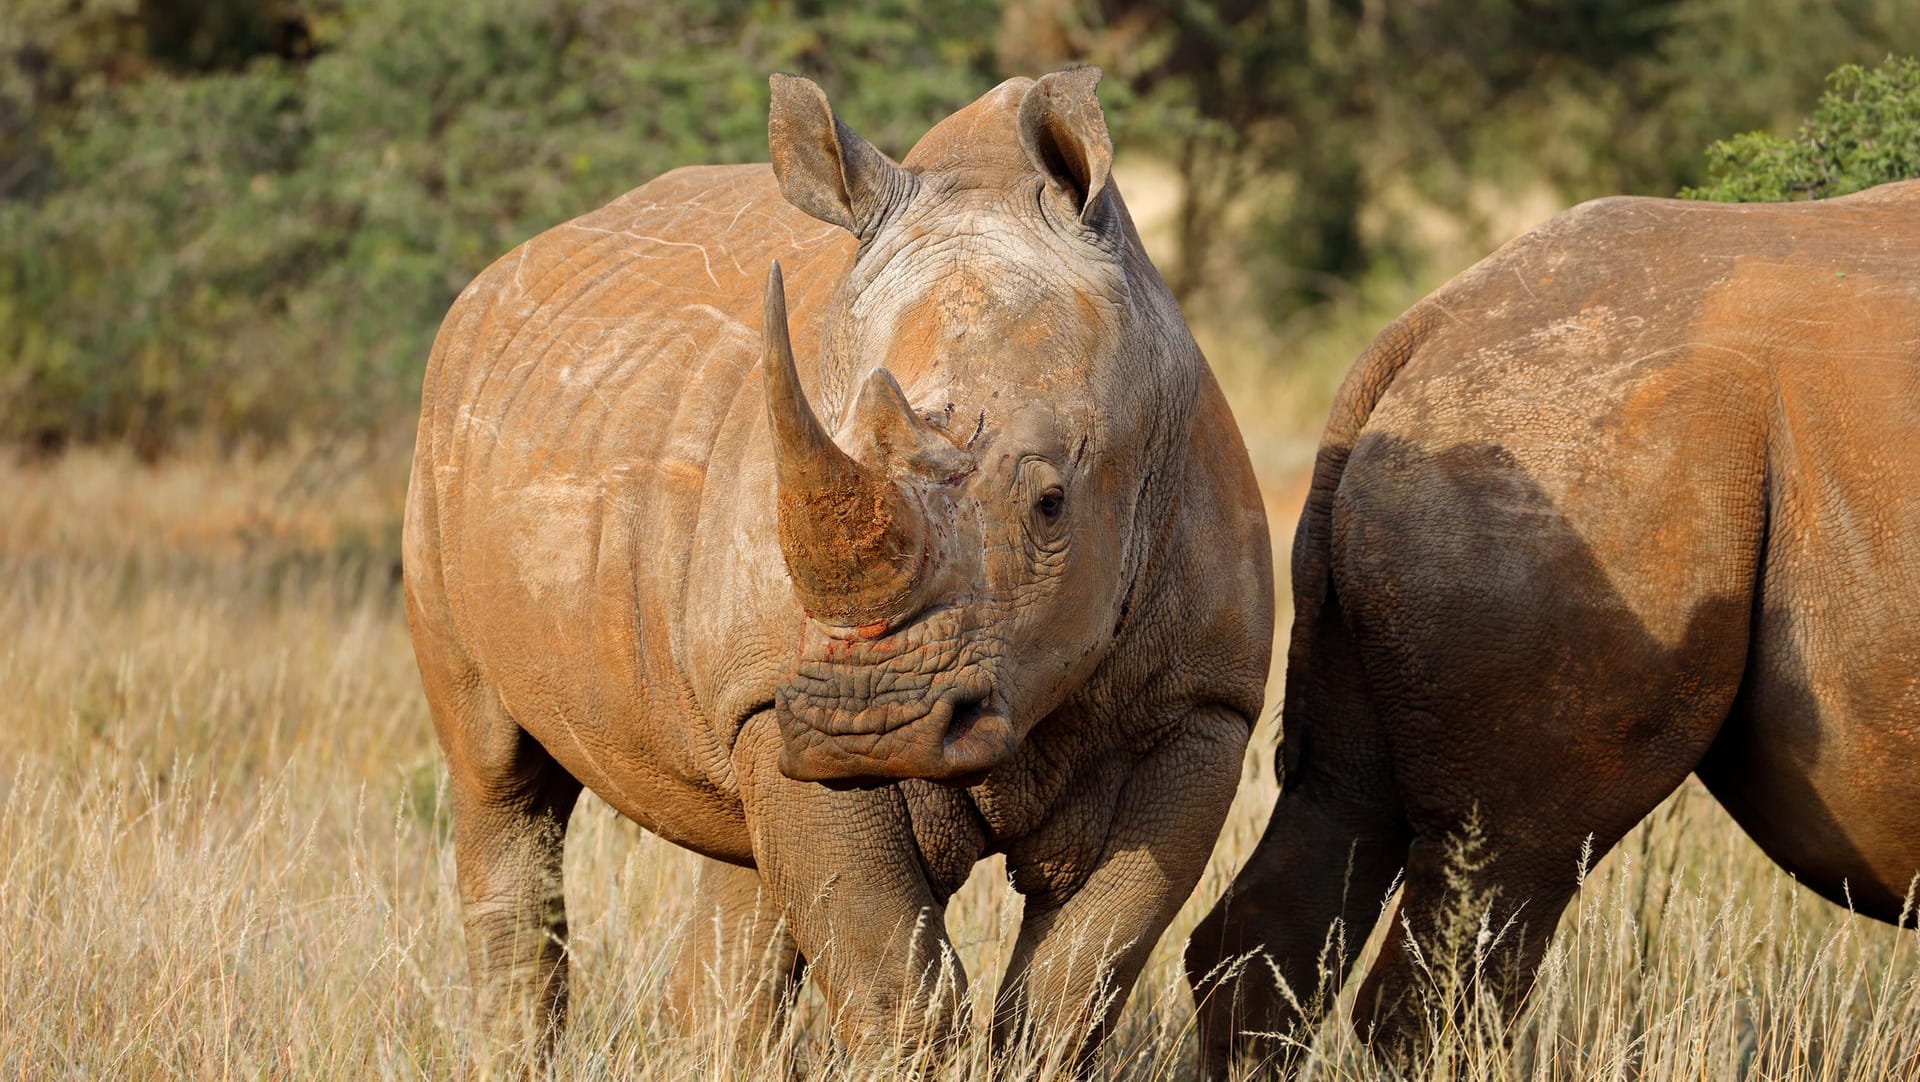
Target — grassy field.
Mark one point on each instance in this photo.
(225, 851)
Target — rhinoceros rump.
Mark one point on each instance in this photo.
(1636, 496)
(937, 541)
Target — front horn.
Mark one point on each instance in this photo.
(855, 545)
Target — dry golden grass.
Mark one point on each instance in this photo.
(223, 851)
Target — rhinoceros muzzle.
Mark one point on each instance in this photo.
(957, 743)
(921, 703)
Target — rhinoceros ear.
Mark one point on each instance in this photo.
(824, 168)
(1064, 133)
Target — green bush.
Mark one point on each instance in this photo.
(1866, 131)
(268, 247)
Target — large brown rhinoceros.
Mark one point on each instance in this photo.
(1636, 496)
(1002, 587)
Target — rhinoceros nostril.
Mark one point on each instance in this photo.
(966, 711)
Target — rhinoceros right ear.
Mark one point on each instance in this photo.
(824, 168)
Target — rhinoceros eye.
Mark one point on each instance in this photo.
(1046, 496)
(1051, 504)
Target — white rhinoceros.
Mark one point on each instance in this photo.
(1003, 587)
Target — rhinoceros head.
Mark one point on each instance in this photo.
(998, 365)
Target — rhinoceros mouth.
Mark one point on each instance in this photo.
(911, 705)
(956, 742)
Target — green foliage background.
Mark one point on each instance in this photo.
(241, 220)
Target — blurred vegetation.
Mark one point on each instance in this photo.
(1865, 132)
(241, 220)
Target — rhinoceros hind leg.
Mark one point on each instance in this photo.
(1268, 961)
(511, 803)
(1270, 958)
(739, 965)
(1481, 902)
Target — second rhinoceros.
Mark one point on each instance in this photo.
(946, 547)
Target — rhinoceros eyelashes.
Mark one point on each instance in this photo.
(1064, 133)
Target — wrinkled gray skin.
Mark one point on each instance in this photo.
(1637, 496)
(1017, 603)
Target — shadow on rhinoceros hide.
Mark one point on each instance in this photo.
(1519, 679)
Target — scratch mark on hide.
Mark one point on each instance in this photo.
(705, 259)
(1522, 279)
(744, 207)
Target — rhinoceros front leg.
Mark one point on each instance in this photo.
(1081, 948)
(739, 964)
(845, 868)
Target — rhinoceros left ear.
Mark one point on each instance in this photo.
(824, 168)
(1064, 133)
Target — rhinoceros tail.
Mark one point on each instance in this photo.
(1314, 592)
(1353, 405)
